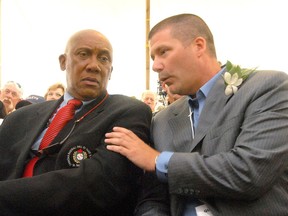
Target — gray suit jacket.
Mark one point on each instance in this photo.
(238, 162)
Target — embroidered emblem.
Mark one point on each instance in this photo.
(77, 154)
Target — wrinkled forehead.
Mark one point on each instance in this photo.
(12, 86)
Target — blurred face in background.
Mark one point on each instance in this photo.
(10, 95)
(149, 98)
(54, 94)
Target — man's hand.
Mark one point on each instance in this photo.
(126, 143)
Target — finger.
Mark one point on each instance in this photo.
(120, 129)
(117, 149)
(124, 135)
(114, 141)
(118, 142)
(124, 131)
(113, 134)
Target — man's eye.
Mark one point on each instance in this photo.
(83, 54)
(162, 52)
(103, 58)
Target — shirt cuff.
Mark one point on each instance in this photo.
(162, 165)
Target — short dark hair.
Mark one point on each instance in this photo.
(186, 27)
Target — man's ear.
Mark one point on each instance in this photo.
(62, 61)
(201, 44)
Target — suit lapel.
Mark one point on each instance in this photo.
(215, 102)
(39, 121)
(181, 126)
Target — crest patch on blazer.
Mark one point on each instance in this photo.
(77, 154)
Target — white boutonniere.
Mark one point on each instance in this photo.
(234, 77)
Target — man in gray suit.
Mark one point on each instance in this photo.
(223, 148)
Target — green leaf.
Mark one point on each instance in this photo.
(229, 65)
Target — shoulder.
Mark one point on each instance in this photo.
(269, 76)
(126, 101)
(264, 80)
(26, 113)
(33, 108)
(174, 109)
(123, 99)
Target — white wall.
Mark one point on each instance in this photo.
(34, 32)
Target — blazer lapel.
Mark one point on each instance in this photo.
(215, 102)
(181, 126)
(39, 121)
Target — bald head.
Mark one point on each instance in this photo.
(88, 64)
(84, 35)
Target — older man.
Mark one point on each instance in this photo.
(71, 172)
(10, 95)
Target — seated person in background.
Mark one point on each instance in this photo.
(74, 174)
(10, 95)
(32, 99)
(150, 98)
(54, 92)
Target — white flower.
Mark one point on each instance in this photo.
(234, 77)
(232, 83)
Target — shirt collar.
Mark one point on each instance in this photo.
(68, 97)
(205, 89)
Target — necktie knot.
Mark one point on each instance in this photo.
(75, 102)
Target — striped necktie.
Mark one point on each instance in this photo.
(62, 117)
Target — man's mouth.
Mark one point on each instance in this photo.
(90, 81)
(6, 101)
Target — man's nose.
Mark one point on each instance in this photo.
(94, 65)
(157, 66)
